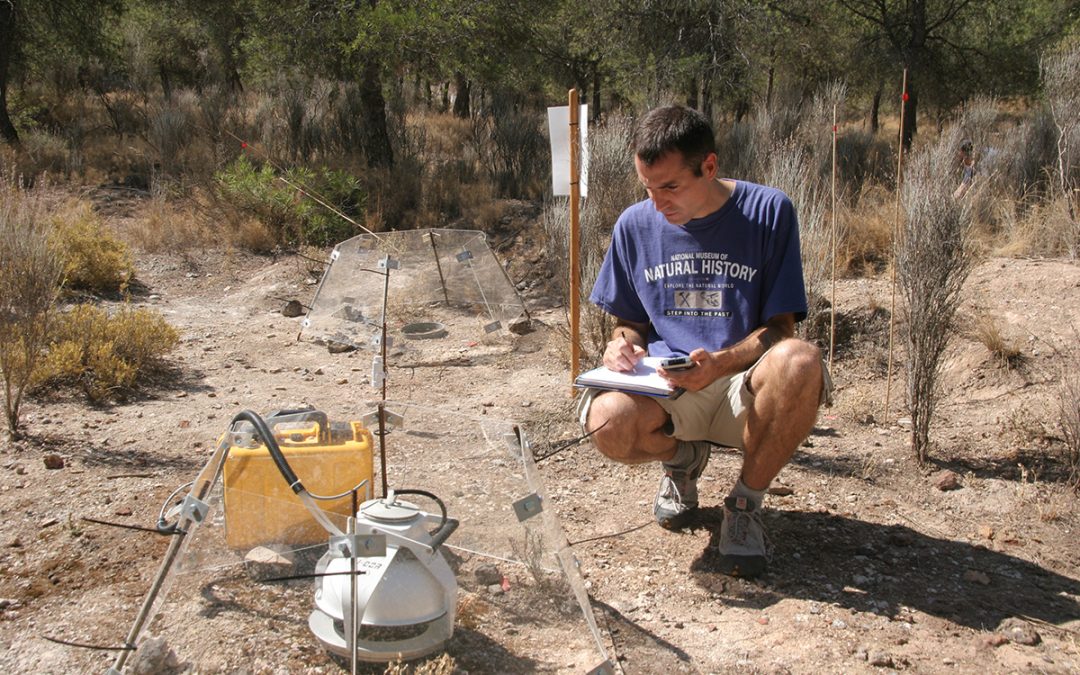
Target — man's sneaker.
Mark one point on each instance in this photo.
(742, 545)
(677, 497)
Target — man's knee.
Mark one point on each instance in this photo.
(792, 365)
(604, 423)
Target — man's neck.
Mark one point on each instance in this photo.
(722, 191)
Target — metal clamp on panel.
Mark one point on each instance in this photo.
(390, 419)
(528, 506)
(194, 509)
(364, 545)
(465, 256)
(388, 263)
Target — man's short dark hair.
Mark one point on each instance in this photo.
(674, 128)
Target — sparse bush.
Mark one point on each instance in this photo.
(287, 204)
(1068, 400)
(30, 275)
(1061, 81)
(511, 148)
(94, 260)
(862, 160)
(793, 170)
(105, 356)
(933, 259)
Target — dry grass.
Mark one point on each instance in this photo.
(440, 665)
(865, 246)
(1006, 352)
(163, 226)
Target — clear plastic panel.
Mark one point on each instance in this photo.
(437, 283)
(521, 604)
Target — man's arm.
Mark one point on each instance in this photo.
(711, 366)
(627, 345)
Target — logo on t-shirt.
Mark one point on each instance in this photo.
(695, 282)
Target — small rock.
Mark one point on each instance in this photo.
(154, 656)
(839, 623)
(763, 620)
(976, 576)
(20, 469)
(946, 480)
(880, 660)
(1020, 632)
(488, 574)
(526, 404)
(781, 490)
(343, 380)
(339, 347)
(496, 589)
(49, 522)
(53, 461)
(986, 532)
(292, 308)
(123, 511)
(991, 640)
(265, 562)
(522, 326)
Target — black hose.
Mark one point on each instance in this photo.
(271, 444)
(446, 525)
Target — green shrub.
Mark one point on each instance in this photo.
(106, 356)
(289, 204)
(94, 260)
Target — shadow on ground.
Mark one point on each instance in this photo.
(884, 568)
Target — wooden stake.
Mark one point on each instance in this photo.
(575, 243)
(895, 240)
(832, 246)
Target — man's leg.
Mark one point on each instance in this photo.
(787, 387)
(630, 429)
(787, 390)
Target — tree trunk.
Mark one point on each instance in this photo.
(910, 109)
(376, 139)
(596, 95)
(7, 46)
(875, 111)
(461, 100)
(444, 103)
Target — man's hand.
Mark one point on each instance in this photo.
(708, 367)
(621, 355)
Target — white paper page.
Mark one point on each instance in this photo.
(559, 133)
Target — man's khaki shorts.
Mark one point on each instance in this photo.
(717, 413)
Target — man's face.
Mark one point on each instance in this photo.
(674, 189)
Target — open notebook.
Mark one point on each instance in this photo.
(643, 379)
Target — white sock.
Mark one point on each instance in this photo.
(740, 490)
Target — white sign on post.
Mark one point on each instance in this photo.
(559, 132)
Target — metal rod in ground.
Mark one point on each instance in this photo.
(438, 266)
(352, 595)
(382, 400)
(575, 240)
(895, 244)
(209, 477)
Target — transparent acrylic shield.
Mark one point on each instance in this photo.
(520, 603)
(432, 283)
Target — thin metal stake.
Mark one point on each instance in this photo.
(438, 266)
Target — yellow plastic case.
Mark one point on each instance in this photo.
(260, 508)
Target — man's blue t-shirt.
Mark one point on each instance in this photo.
(708, 283)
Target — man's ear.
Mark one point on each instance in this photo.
(709, 166)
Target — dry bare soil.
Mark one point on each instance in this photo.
(874, 567)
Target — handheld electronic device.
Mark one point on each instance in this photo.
(677, 363)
